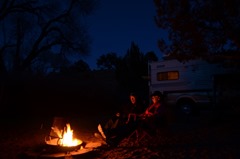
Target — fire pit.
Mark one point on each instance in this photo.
(64, 141)
(61, 145)
(55, 151)
(52, 146)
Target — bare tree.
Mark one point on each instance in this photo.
(32, 29)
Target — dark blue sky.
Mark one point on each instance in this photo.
(115, 24)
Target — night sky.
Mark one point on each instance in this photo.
(115, 24)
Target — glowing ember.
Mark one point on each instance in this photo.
(68, 139)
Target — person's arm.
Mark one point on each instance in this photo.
(146, 113)
(131, 116)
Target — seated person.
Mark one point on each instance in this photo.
(133, 109)
(122, 123)
(154, 115)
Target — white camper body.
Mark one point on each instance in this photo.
(185, 85)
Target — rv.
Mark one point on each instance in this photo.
(188, 86)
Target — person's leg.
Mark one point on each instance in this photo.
(116, 135)
(101, 131)
(148, 125)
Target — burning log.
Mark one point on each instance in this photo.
(65, 140)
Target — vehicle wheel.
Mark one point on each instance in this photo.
(186, 107)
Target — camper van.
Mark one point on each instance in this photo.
(189, 86)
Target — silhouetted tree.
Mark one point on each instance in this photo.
(32, 29)
(151, 56)
(131, 69)
(108, 61)
(79, 66)
(199, 29)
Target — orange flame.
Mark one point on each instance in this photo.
(65, 138)
(68, 139)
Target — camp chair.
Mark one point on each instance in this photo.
(138, 134)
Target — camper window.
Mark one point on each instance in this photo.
(171, 75)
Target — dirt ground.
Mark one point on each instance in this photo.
(203, 136)
(28, 112)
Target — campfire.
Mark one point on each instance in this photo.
(64, 137)
(61, 142)
(68, 139)
(64, 140)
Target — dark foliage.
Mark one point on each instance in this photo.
(199, 29)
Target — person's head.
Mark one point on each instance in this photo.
(156, 96)
(133, 98)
